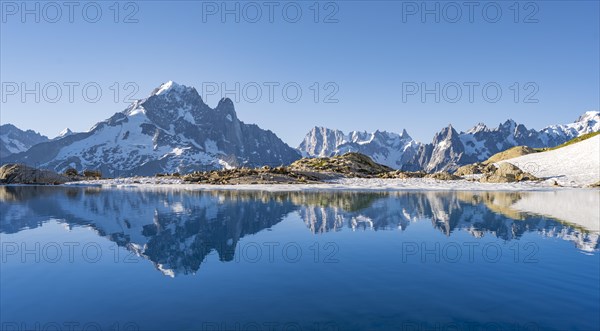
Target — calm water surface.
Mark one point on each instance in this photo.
(130, 259)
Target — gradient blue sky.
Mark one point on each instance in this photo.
(368, 54)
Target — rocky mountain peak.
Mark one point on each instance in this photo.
(508, 125)
(589, 116)
(480, 127)
(170, 87)
(225, 104)
(65, 132)
(447, 133)
(405, 135)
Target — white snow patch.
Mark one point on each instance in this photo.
(225, 165)
(345, 184)
(189, 117)
(165, 87)
(178, 151)
(574, 165)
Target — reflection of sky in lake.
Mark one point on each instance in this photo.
(457, 256)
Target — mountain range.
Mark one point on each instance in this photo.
(14, 140)
(449, 148)
(173, 130)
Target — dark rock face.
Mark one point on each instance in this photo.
(22, 174)
(172, 130)
(14, 140)
(447, 151)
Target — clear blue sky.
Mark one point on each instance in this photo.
(373, 51)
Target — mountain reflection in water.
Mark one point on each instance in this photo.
(177, 229)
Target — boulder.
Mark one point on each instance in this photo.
(349, 165)
(442, 176)
(22, 174)
(506, 173)
(402, 174)
(469, 169)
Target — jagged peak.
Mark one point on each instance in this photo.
(171, 86)
(589, 115)
(8, 126)
(65, 132)
(225, 102)
(405, 134)
(508, 123)
(166, 87)
(449, 130)
(447, 133)
(480, 127)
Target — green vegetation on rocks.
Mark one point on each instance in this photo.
(510, 154)
(572, 141)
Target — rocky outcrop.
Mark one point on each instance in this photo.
(510, 153)
(399, 174)
(22, 174)
(469, 169)
(263, 175)
(349, 165)
(306, 170)
(443, 175)
(506, 173)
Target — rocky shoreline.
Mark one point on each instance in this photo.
(303, 171)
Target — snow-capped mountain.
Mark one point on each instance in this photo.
(14, 140)
(449, 149)
(65, 132)
(172, 130)
(387, 148)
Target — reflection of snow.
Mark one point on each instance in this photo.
(360, 219)
(578, 207)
